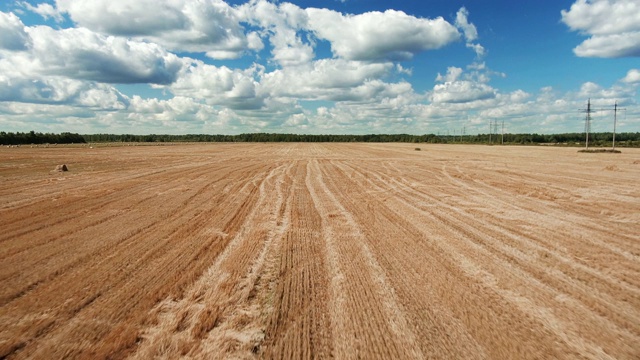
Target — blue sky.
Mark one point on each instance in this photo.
(311, 67)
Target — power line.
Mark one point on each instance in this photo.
(587, 121)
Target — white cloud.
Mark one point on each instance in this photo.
(453, 73)
(127, 18)
(603, 17)
(298, 121)
(618, 45)
(519, 96)
(326, 79)
(633, 76)
(402, 70)
(40, 75)
(614, 27)
(57, 90)
(281, 24)
(469, 30)
(600, 95)
(45, 10)
(45, 117)
(93, 57)
(478, 49)
(12, 33)
(212, 26)
(373, 36)
(362, 89)
(472, 87)
(235, 89)
(461, 91)
(178, 108)
(376, 36)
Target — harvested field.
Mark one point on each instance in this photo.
(318, 251)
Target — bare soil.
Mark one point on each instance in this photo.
(318, 251)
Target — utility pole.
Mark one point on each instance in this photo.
(502, 141)
(587, 122)
(615, 120)
(490, 128)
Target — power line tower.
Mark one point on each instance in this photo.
(587, 123)
(493, 130)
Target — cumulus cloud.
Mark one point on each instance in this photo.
(281, 24)
(235, 89)
(45, 10)
(595, 16)
(127, 18)
(373, 36)
(470, 32)
(57, 90)
(633, 76)
(599, 94)
(212, 27)
(326, 79)
(93, 57)
(179, 108)
(74, 67)
(377, 36)
(361, 89)
(477, 48)
(461, 91)
(453, 73)
(613, 27)
(613, 46)
(12, 33)
(458, 86)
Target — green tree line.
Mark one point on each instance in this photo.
(32, 137)
(595, 139)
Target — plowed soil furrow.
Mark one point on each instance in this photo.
(498, 227)
(130, 216)
(381, 313)
(222, 303)
(287, 251)
(621, 308)
(578, 214)
(546, 239)
(146, 254)
(90, 202)
(298, 326)
(446, 276)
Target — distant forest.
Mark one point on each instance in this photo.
(595, 139)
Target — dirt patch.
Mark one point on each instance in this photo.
(320, 250)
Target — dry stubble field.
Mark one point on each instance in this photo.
(319, 250)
